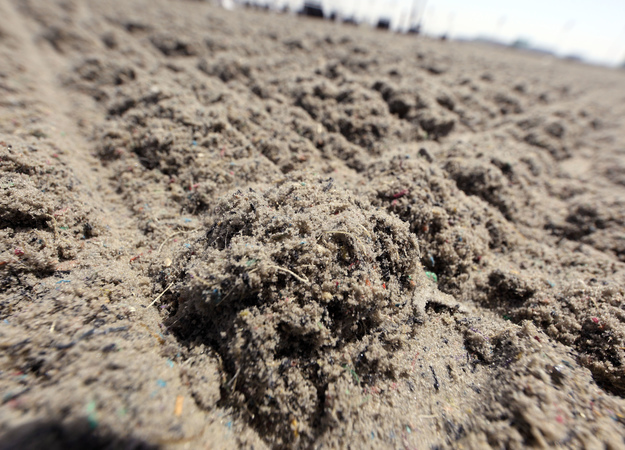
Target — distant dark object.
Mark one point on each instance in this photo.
(574, 58)
(312, 9)
(416, 29)
(443, 37)
(256, 5)
(383, 24)
(350, 20)
(333, 15)
(521, 43)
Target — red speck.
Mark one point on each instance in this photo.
(60, 212)
(595, 320)
(18, 251)
(537, 338)
(559, 419)
(384, 285)
(401, 193)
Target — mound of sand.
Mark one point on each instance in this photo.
(294, 283)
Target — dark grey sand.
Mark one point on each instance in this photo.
(239, 229)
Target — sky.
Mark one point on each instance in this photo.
(591, 29)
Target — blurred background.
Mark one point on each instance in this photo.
(588, 30)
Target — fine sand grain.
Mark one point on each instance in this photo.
(242, 229)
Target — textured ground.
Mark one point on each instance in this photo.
(236, 229)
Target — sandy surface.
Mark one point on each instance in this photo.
(225, 230)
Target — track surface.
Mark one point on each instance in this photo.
(134, 136)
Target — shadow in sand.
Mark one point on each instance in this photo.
(54, 435)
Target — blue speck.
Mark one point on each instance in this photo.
(63, 281)
(187, 245)
(170, 363)
(161, 383)
(186, 220)
(229, 424)
(372, 435)
(194, 142)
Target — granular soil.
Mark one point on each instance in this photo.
(248, 229)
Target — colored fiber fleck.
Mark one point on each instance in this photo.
(432, 276)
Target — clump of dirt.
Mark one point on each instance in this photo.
(291, 284)
(440, 214)
(39, 215)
